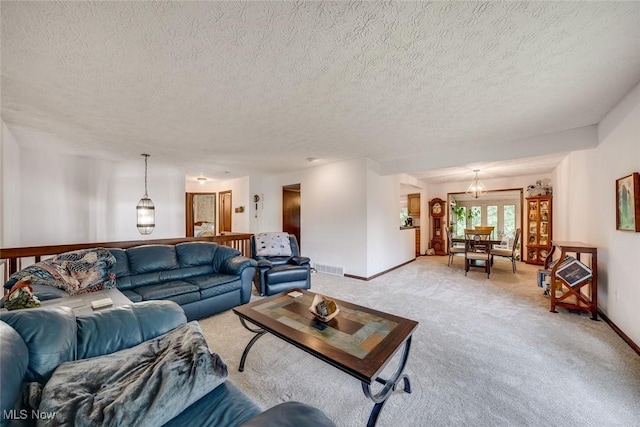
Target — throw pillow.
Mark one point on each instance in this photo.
(146, 385)
(273, 244)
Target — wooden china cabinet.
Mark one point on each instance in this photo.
(539, 228)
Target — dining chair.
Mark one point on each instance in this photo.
(508, 253)
(477, 249)
(485, 227)
(453, 248)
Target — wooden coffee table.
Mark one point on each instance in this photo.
(359, 340)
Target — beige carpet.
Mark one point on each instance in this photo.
(486, 353)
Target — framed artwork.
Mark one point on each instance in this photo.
(628, 203)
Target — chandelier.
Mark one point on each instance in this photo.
(477, 188)
(145, 209)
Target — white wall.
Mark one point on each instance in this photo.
(387, 245)
(517, 182)
(60, 201)
(70, 199)
(585, 187)
(333, 214)
(125, 187)
(210, 186)
(441, 190)
(239, 187)
(349, 215)
(266, 215)
(9, 190)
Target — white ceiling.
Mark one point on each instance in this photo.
(234, 87)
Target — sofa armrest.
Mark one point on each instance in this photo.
(107, 331)
(47, 350)
(290, 414)
(264, 264)
(299, 260)
(14, 360)
(235, 265)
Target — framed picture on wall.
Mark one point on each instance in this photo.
(628, 203)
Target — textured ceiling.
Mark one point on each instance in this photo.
(491, 170)
(261, 86)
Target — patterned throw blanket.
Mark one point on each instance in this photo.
(74, 272)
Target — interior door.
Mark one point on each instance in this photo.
(225, 211)
(200, 209)
(291, 210)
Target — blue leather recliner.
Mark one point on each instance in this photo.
(277, 274)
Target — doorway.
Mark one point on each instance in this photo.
(501, 209)
(224, 223)
(291, 210)
(200, 209)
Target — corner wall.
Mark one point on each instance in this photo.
(349, 215)
(387, 246)
(9, 189)
(585, 183)
(332, 212)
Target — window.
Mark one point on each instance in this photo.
(492, 220)
(461, 223)
(509, 220)
(404, 214)
(499, 210)
(476, 216)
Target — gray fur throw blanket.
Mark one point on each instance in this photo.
(146, 385)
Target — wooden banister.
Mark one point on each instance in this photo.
(12, 256)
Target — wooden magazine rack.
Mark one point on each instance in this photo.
(581, 294)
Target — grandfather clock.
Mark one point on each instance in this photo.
(436, 209)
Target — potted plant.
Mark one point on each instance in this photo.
(458, 214)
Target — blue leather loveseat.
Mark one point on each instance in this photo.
(70, 370)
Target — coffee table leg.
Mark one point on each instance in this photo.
(259, 332)
(380, 398)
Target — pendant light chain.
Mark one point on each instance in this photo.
(146, 156)
(145, 208)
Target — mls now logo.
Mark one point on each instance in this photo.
(24, 414)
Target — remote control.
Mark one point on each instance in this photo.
(101, 303)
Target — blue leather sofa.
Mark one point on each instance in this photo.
(203, 277)
(36, 344)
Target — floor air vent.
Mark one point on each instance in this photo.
(329, 269)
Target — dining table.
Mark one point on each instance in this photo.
(492, 242)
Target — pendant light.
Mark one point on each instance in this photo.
(146, 210)
(476, 188)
